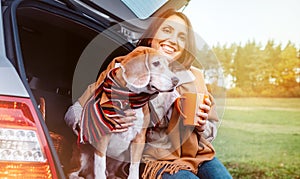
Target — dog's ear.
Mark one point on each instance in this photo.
(136, 71)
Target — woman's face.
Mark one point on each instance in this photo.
(170, 38)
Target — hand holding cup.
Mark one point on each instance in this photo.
(195, 108)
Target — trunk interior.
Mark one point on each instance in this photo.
(51, 47)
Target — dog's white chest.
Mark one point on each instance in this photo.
(120, 142)
(132, 131)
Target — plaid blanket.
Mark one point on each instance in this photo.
(98, 119)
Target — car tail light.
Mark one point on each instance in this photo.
(24, 150)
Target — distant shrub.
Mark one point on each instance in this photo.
(235, 92)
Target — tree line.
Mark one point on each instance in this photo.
(252, 70)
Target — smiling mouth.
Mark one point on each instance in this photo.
(168, 49)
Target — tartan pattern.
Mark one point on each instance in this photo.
(98, 119)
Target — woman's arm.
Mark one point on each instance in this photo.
(208, 116)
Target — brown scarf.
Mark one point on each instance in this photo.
(189, 148)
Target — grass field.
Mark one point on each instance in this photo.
(260, 137)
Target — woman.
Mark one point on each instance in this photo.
(173, 150)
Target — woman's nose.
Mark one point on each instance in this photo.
(173, 39)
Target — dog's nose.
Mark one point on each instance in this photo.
(175, 81)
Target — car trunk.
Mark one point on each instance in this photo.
(47, 52)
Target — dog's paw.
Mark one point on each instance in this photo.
(75, 176)
(133, 175)
(134, 171)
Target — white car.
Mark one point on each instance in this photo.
(50, 50)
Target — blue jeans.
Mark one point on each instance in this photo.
(212, 169)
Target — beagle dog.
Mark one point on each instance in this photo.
(143, 71)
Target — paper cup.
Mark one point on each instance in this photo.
(190, 103)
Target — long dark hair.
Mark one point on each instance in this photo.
(188, 56)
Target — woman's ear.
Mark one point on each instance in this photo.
(136, 71)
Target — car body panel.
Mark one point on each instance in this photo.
(10, 82)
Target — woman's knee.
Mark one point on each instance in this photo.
(180, 175)
(213, 169)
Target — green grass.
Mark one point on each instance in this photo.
(260, 138)
(264, 102)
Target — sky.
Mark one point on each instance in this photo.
(238, 21)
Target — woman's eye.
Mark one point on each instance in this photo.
(156, 63)
(166, 30)
(182, 38)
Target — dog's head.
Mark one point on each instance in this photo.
(145, 70)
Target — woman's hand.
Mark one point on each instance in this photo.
(124, 121)
(203, 114)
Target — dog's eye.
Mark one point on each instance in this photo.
(156, 63)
